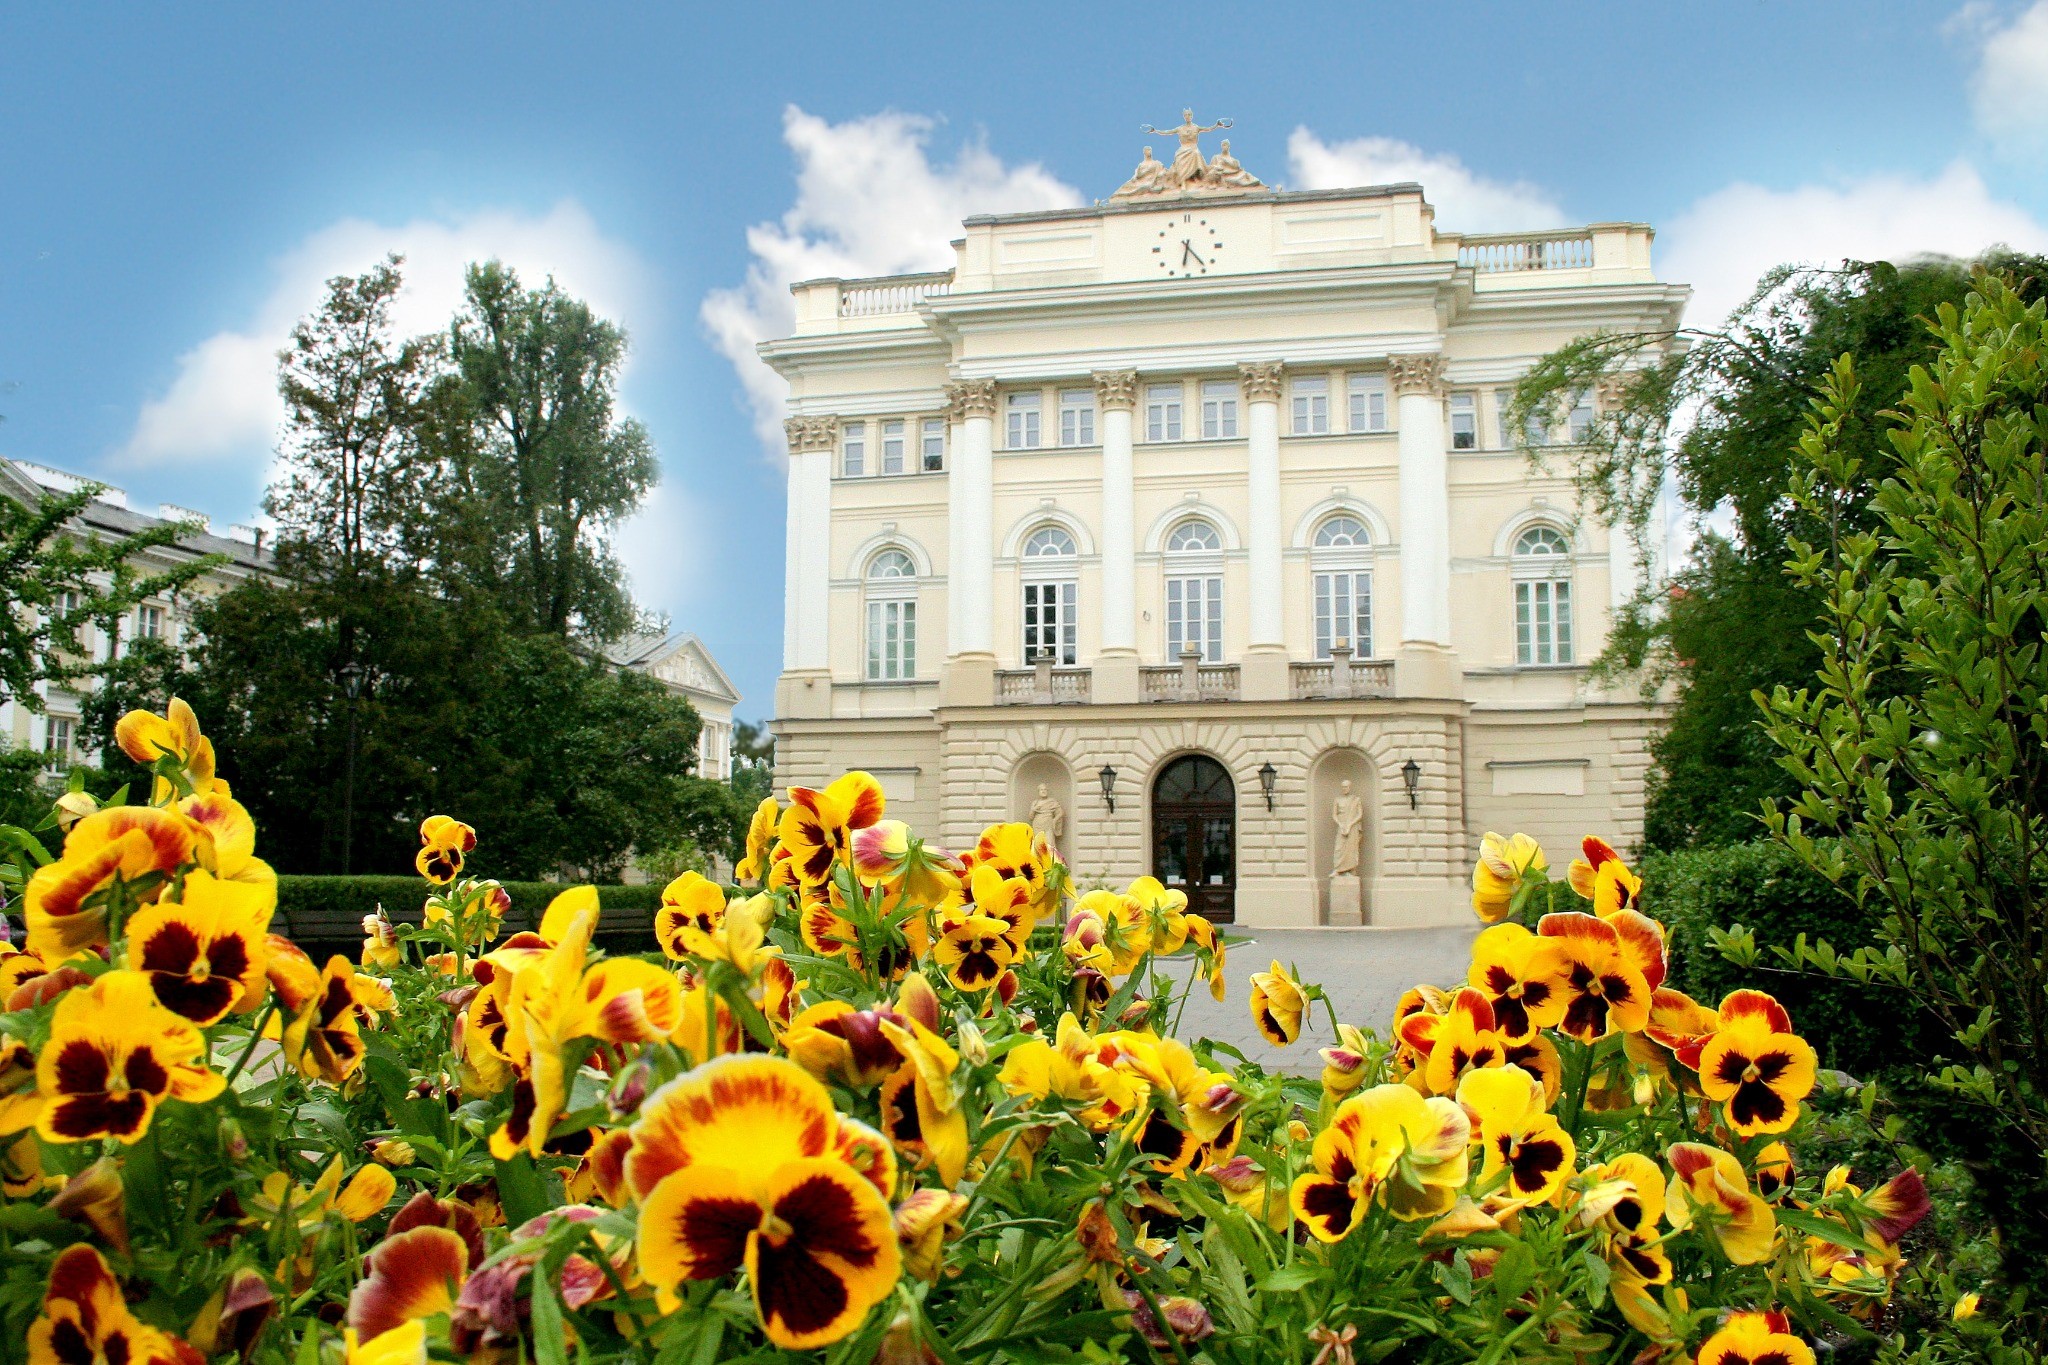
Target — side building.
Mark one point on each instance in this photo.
(1189, 525)
(682, 664)
(56, 731)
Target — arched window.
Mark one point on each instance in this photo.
(1340, 566)
(1051, 596)
(891, 592)
(1194, 591)
(1542, 570)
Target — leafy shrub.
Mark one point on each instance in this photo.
(1765, 888)
(329, 911)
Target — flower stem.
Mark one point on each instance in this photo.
(255, 1037)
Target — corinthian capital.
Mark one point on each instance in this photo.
(811, 433)
(970, 398)
(1260, 380)
(1116, 390)
(1422, 374)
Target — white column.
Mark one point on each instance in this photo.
(1116, 394)
(970, 570)
(807, 627)
(1425, 500)
(1264, 537)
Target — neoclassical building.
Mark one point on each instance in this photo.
(1198, 510)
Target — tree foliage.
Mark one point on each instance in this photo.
(1720, 410)
(1920, 752)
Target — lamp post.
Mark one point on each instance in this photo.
(351, 688)
(1268, 775)
(1411, 778)
(1108, 779)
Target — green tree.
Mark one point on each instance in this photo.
(1720, 412)
(753, 770)
(56, 579)
(1919, 753)
(535, 451)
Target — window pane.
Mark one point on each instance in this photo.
(1563, 595)
(1464, 422)
(1077, 417)
(853, 459)
(1368, 402)
(934, 444)
(1162, 412)
(1219, 409)
(892, 447)
(1311, 406)
(1581, 420)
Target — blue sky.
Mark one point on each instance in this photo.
(174, 184)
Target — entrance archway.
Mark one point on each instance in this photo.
(1194, 834)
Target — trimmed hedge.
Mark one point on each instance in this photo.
(326, 913)
(1766, 889)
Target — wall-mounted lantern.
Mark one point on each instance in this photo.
(1108, 778)
(1268, 774)
(1411, 778)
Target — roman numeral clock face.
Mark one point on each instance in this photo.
(1187, 246)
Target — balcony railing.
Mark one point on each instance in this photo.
(1042, 685)
(1327, 678)
(1190, 680)
(890, 294)
(1530, 251)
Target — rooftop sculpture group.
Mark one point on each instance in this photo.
(1189, 172)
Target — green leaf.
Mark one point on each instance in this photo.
(1827, 1229)
(523, 1188)
(549, 1340)
(1289, 1278)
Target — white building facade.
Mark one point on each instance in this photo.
(1192, 508)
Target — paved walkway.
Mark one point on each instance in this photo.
(1364, 971)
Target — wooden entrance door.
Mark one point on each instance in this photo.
(1194, 834)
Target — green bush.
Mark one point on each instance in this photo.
(328, 911)
(1766, 889)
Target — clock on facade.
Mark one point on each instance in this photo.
(1187, 246)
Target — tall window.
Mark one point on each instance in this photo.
(1162, 412)
(1077, 417)
(1219, 409)
(1464, 422)
(892, 617)
(853, 449)
(1543, 597)
(1581, 419)
(1023, 420)
(1050, 596)
(934, 444)
(892, 447)
(1194, 591)
(1340, 560)
(57, 754)
(149, 623)
(1368, 393)
(1311, 405)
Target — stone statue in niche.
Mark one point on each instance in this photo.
(1049, 817)
(1151, 177)
(1347, 812)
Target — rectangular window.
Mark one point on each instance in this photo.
(1344, 612)
(1543, 622)
(149, 623)
(892, 447)
(1023, 420)
(1050, 622)
(1503, 403)
(1581, 420)
(934, 444)
(1219, 409)
(1464, 422)
(1077, 417)
(892, 641)
(1311, 401)
(1162, 412)
(57, 742)
(1368, 402)
(853, 450)
(1194, 618)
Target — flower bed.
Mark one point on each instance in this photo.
(882, 1103)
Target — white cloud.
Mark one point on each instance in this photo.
(1464, 200)
(222, 404)
(869, 201)
(1725, 241)
(2009, 87)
